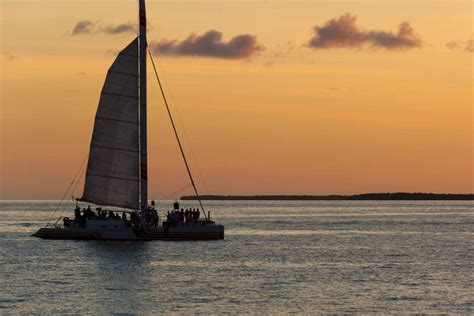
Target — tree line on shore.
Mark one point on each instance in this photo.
(397, 196)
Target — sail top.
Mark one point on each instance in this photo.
(112, 176)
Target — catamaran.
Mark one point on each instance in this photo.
(117, 174)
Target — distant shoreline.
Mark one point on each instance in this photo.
(399, 196)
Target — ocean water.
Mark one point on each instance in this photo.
(277, 258)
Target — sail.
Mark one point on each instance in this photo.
(112, 176)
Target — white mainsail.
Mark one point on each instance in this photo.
(112, 176)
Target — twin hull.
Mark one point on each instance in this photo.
(195, 232)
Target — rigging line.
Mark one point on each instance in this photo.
(186, 137)
(175, 192)
(61, 206)
(177, 137)
(82, 175)
(58, 208)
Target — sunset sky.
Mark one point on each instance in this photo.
(311, 97)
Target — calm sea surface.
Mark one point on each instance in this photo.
(277, 257)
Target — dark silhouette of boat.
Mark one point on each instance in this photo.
(117, 173)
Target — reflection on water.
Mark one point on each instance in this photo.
(278, 257)
(296, 232)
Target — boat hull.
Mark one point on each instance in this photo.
(212, 232)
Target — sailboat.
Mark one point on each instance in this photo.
(117, 173)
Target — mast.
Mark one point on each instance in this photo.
(142, 111)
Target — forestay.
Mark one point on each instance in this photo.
(112, 176)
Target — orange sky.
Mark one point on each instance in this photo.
(287, 120)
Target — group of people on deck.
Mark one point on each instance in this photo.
(87, 213)
(151, 216)
(148, 217)
(183, 216)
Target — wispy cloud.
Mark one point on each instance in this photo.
(470, 46)
(90, 27)
(119, 29)
(453, 45)
(9, 57)
(112, 52)
(343, 32)
(83, 27)
(467, 46)
(209, 44)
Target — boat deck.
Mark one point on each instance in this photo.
(179, 232)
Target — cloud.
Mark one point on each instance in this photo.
(209, 44)
(89, 27)
(470, 46)
(119, 29)
(83, 27)
(9, 57)
(453, 45)
(467, 46)
(343, 32)
(405, 38)
(112, 52)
